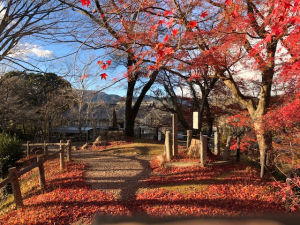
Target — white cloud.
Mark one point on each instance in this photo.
(25, 50)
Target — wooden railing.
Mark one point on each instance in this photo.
(41, 159)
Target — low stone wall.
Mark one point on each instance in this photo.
(111, 135)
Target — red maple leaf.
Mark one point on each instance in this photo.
(287, 5)
(161, 21)
(104, 66)
(204, 14)
(174, 32)
(108, 62)
(166, 38)
(103, 76)
(102, 15)
(99, 62)
(169, 12)
(228, 2)
(85, 2)
(166, 13)
(192, 24)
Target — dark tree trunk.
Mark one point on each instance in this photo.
(131, 110)
(210, 119)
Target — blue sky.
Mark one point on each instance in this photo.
(56, 58)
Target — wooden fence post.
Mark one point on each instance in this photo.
(28, 148)
(62, 156)
(41, 173)
(189, 138)
(288, 190)
(16, 187)
(175, 134)
(45, 148)
(69, 150)
(168, 147)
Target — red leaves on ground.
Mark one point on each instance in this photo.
(229, 190)
(67, 199)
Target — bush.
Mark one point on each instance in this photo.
(10, 152)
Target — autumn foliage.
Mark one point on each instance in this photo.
(69, 198)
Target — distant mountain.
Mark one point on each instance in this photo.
(95, 96)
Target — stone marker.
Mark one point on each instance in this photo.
(168, 149)
(194, 149)
(195, 120)
(217, 143)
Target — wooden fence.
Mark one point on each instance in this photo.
(41, 159)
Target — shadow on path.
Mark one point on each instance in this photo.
(120, 174)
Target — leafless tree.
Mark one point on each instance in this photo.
(22, 21)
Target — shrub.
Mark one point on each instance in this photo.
(10, 152)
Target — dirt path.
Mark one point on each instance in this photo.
(119, 174)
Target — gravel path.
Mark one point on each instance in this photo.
(119, 174)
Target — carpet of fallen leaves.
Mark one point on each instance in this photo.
(68, 198)
(229, 190)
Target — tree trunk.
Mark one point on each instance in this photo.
(132, 111)
(264, 140)
(210, 119)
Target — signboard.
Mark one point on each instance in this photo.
(195, 120)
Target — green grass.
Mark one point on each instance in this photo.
(26, 188)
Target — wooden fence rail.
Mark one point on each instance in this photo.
(41, 159)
